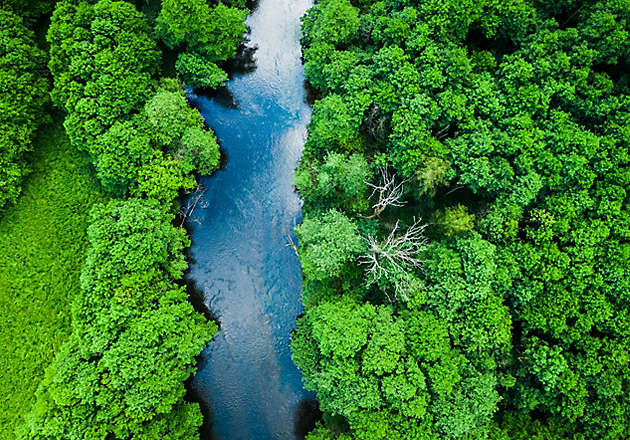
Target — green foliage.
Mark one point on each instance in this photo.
(128, 237)
(134, 334)
(169, 115)
(162, 178)
(199, 150)
(327, 243)
(208, 35)
(131, 128)
(122, 151)
(197, 71)
(331, 21)
(183, 21)
(338, 182)
(508, 122)
(518, 426)
(335, 126)
(455, 220)
(44, 243)
(23, 93)
(102, 58)
(427, 368)
(30, 8)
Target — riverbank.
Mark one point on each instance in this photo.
(43, 241)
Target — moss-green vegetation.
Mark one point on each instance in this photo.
(505, 126)
(44, 242)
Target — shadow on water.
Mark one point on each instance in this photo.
(306, 416)
(243, 63)
(195, 293)
(221, 95)
(197, 300)
(192, 395)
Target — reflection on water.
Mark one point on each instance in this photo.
(247, 275)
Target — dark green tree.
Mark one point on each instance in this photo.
(507, 121)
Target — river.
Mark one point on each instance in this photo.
(240, 262)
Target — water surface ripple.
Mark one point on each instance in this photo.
(248, 276)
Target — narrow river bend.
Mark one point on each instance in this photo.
(250, 279)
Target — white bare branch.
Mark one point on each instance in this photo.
(197, 197)
(290, 239)
(292, 244)
(387, 193)
(395, 256)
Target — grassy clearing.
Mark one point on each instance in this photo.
(42, 249)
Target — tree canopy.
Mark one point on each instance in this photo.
(134, 334)
(504, 126)
(132, 126)
(23, 94)
(206, 35)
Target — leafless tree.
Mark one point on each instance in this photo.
(290, 239)
(395, 256)
(196, 199)
(387, 193)
(292, 244)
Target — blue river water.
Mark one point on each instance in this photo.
(240, 262)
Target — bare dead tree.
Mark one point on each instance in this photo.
(387, 193)
(394, 257)
(290, 240)
(441, 134)
(196, 199)
(292, 244)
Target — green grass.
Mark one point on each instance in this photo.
(42, 249)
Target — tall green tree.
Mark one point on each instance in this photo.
(206, 36)
(23, 94)
(135, 335)
(327, 244)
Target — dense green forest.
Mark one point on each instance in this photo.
(465, 242)
(465, 245)
(130, 335)
(23, 94)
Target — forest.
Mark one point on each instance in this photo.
(133, 338)
(465, 241)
